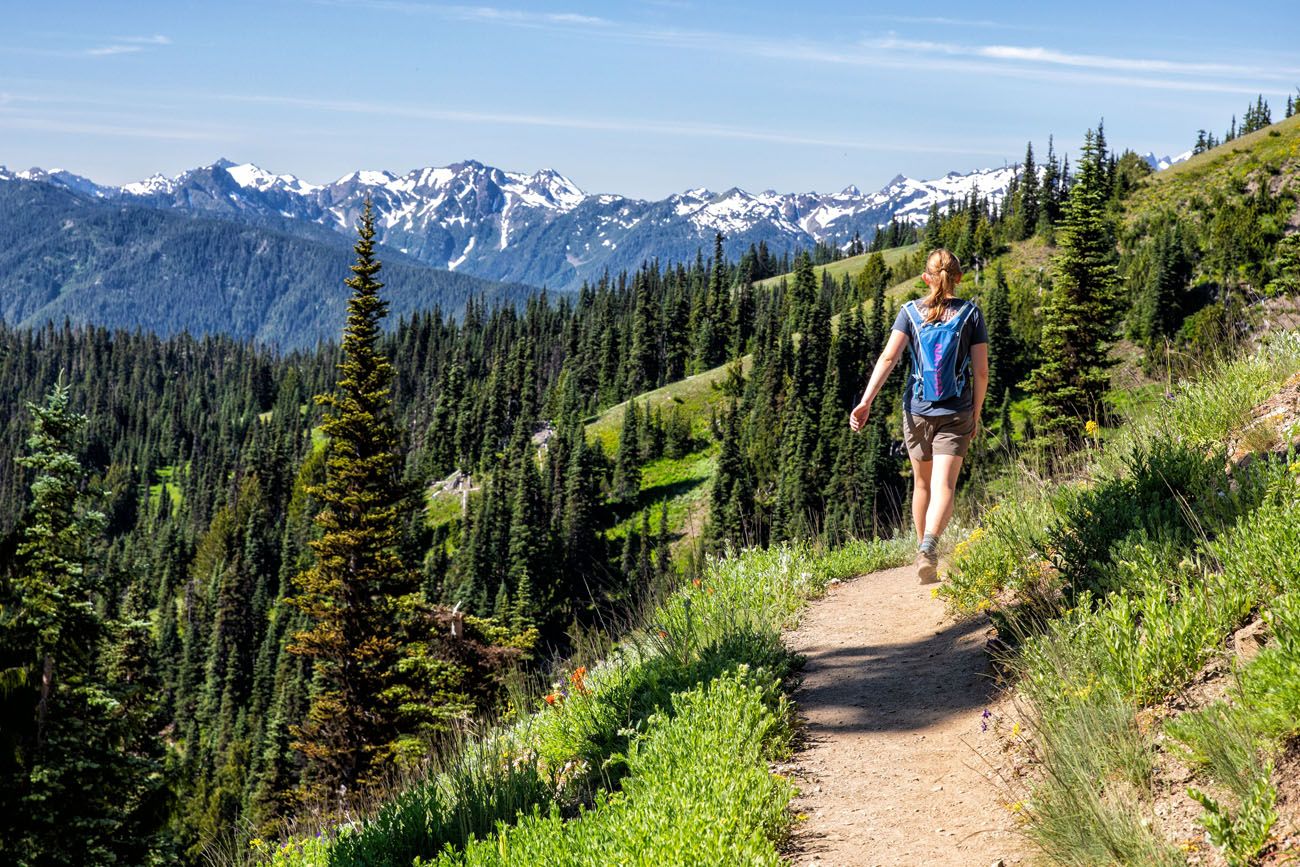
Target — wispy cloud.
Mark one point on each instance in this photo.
(483, 14)
(1052, 57)
(127, 45)
(117, 130)
(110, 50)
(631, 125)
(894, 52)
(982, 23)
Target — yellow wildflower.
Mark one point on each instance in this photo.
(1090, 427)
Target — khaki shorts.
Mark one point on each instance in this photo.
(930, 435)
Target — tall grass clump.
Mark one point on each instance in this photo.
(1092, 806)
(487, 781)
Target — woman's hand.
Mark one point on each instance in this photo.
(858, 417)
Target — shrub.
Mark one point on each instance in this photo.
(1166, 497)
(1004, 553)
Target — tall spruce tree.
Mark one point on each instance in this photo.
(1027, 203)
(80, 771)
(358, 591)
(1079, 318)
(997, 316)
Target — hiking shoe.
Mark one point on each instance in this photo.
(927, 567)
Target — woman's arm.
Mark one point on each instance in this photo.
(979, 359)
(884, 366)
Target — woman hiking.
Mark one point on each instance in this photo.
(942, 401)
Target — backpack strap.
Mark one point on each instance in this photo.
(914, 316)
(960, 317)
(968, 308)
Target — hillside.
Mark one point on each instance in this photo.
(119, 265)
(849, 265)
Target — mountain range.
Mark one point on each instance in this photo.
(540, 228)
(70, 255)
(233, 248)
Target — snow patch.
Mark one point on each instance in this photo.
(457, 262)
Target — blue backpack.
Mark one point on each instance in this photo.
(935, 346)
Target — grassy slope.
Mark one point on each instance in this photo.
(851, 266)
(1275, 147)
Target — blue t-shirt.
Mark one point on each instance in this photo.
(973, 331)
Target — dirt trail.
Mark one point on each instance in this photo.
(893, 697)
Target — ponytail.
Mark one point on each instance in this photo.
(945, 272)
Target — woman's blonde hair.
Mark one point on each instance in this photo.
(945, 272)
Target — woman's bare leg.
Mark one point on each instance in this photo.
(941, 491)
(921, 472)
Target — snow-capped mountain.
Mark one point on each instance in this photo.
(1161, 163)
(538, 228)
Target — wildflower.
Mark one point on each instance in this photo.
(577, 679)
(709, 590)
(256, 843)
(663, 633)
(695, 582)
(1090, 427)
(551, 698)
(1015, 729)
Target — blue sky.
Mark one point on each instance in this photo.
(641, 97)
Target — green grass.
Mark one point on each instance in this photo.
(656, 754)
(851, 265)
(683, 482)
(697, 790)
(1274, 149)
(167, 481)
(443, 507)
(696, 395)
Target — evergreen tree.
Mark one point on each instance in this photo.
(1049, 212)
(80, 770)
(1027, 203)
(1157, 309)
(1080, 314)
(626, 484)
(997, 318)
(732, 501)
(358, 592)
